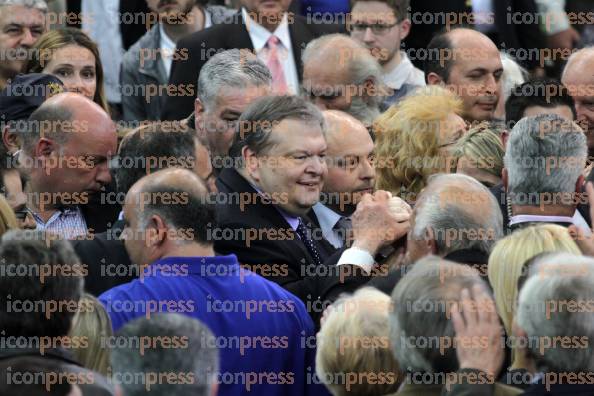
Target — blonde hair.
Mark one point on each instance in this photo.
(506, 262)
(8, 220)
(408, 132)
(354, 341)
(92, 323)
(483, 147)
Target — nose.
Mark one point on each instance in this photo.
(317, 166)
(103, 176)
(491, 85)
(367, 170)
(27, 39)
(368, 36)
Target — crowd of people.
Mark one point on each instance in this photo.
(276, 197)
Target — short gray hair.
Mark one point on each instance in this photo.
(40, 5)
(254, 129)
(199, 358)
(47, 120)
(230, 69)
(361, 67)
(447, 216)
(422, 301)
(536, 158)
(558, 278)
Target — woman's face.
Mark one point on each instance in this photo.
(75, 66)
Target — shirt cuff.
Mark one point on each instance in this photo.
(358, 257)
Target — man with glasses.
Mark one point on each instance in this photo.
(382, 25)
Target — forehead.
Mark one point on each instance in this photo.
(239, 98)
(290, 135)
(96, 133)
(373, 11)
(20, 15)
(73, 53)
(580, 73)
(348, 139)
(476, 52)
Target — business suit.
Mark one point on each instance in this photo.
(200, 46)
(278, 255)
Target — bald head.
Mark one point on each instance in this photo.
(342, 127)
(171, 179)
(580, 62)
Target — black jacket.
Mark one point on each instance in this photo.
(274, 251)
(197, 48)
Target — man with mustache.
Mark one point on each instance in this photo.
(147, 64)
(468, 63)
(21, 24)
(578, 77)
(350, 175)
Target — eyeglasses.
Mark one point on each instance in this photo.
(377, 28)
(22, 213)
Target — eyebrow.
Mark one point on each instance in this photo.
(228, 112)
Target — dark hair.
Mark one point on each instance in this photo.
(33, 252)
(543, 92)
(254, 127)
(400, 7)
(59, 38)
(35, 367)
(192, 215)
(152, 141)
(440, 59)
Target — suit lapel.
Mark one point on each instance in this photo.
(237, 35)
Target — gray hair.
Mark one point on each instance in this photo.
(230, 69)
(559, 279)
(537, 156)
(422, 301)
(40, 5)
(254, 129)
(361, 67)
(452, 219)
(47, 120)
(199, 357)
(513, 74)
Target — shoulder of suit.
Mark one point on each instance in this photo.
(506, 390)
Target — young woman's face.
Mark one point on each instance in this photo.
(75, 66)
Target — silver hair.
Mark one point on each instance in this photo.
(448, 217)
(513, 74)
(420, 316)
(199, 358)
(362, 67)
(230, 69)
(40, 5)
(559, 279)
(545, 156)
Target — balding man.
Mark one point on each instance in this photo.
(169, 229)
(350, 175)
(467, 62)
(65, 156)
(456, 218)
(352, 84)
(578, 77)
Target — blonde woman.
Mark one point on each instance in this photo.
(353, 342)
(92, 325)
(8, 220)
(506, 266)
(479, 154)
(415, 139)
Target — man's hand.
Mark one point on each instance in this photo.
(375, 225)
(478, 332)
(564, 39)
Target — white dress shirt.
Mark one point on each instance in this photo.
(102, 22)
(404, 73)
(577, 220)
(259, 36)
(484, 14)
(167, 49)
(328, 219)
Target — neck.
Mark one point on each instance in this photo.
(268, 21)
(543, 210)
(189, 250)
(392, 63)
(342, 209)
(194, 22)
(45, 210)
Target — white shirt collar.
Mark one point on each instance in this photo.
(207, 19)
(577, 219)
(166, 42)
(402, 73)
(259, 35)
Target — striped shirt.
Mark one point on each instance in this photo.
(67, 223)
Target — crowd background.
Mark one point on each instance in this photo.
(296, 197)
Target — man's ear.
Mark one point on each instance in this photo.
(199, 117)
(579, 184)
(156, 232)
(504, 179)
(404, 28)
(430, 242)
(369, 88)
(504, 138)
(434, 79)
(250, 163)
(10, 140)
(44, 147)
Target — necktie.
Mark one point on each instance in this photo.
(304, 235)
(279, 83)
(343, 228)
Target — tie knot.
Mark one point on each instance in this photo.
(273, 41)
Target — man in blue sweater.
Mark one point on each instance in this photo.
(262, 331)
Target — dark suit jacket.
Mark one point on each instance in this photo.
(108, 263)
(200, 46)
(277, 253)
(514, 35)
(560, 389)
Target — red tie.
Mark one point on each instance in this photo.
(279, 84)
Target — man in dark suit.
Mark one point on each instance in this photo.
(262, 27)
(279, 178)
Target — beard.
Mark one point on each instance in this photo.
(364, 111)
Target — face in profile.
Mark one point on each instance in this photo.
(294, 167)
(171, 8)
(75, 66)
